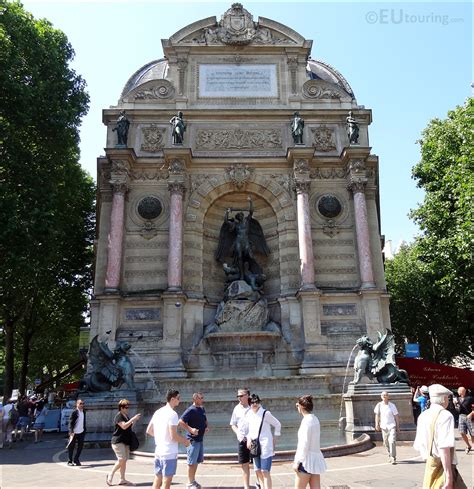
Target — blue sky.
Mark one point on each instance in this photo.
(408, 62)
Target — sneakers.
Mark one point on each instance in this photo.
(76, 462)
(193, 485)
(70, 463)
(394, 461)
(468, 449)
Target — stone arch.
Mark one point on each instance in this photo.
(274, 208)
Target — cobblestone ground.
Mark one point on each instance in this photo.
(43, 465)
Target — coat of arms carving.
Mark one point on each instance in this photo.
(152, 139)
(237, 26)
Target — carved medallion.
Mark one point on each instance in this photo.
(152, 139)
(149, 208)
(237, 26)
(329, 206)
(323, 139)
(239, 175)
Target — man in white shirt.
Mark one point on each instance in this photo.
(163, 427)
(442, 421)
(387, 421)
(240, 428)
(77, 433)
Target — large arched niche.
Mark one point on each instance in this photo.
(213, 275)
(203, 277)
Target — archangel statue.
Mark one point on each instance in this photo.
(352, 129)
(108, 368)
(240, 237)
(378, 360)
(122, 127)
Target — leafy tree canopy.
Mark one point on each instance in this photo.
(46, 199)
(431, 282)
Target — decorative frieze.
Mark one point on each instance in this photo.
(334, 242)
(144, 176)
(316, 89)
(144, 273)
(327, 173)
(227, 139)
(339, 328)
(153, 138)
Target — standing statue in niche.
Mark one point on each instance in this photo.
(239, 238)
(378, 360)
(179, 127)
(297, 126)
(108, 368)
(352, 129)
(122, 127)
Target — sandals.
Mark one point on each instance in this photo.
(108, 480)
(126, 483)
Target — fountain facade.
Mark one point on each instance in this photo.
(281, 312)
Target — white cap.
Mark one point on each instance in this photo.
(424, 389)
(436, 390)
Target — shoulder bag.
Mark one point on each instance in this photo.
(255, 448)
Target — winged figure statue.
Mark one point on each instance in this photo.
(378, 360)
(108, 368)
(240, 238)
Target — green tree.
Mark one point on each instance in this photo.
(46, 199)
(431, 282)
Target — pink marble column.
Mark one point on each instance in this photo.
(175, 253)
(304, 235)
(363, 237)
(115, 238)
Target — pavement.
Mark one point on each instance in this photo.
(43, 465)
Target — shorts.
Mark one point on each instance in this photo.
(195, 452)
(166, 467)
(264, 464)
(38, 426)
(302, 469)
(121, 450)
(244, 452)
(465, 425)
(23, 422)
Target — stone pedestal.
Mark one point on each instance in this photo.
(360, 401)
(101, 408)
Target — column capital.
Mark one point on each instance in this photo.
(302, 186)
(177, 188)
(120, 185)
(357, 184)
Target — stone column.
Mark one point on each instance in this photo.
(119, 183)
(357, 184)
(305, 241)
(175, 253)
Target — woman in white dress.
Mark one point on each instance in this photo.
(262, 464)
(309, 461)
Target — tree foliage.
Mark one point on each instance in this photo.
(431, 282)
(46, 199)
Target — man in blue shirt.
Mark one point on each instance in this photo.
(194, 421)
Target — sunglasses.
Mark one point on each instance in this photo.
(81, 404)
(241, 395)
(125, 407)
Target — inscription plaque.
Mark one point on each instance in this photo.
(238, 81)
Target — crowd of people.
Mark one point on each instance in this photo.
(18, 417)
(256, 430)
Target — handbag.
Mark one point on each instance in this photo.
(434, 472)
(134, 443)
(255, 448)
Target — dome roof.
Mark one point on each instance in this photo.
(319, 70)
(154, 70)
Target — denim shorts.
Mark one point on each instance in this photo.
(264, 464)
(23, 422)
(195, 452)
(166, 467)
